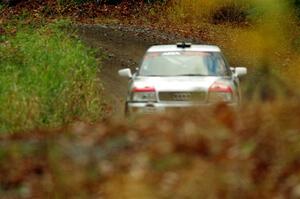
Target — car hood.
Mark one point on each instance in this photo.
(186, 83)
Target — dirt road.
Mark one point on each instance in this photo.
(123, 47)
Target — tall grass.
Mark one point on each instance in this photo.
(47, 78)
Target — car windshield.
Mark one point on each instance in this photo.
(184, 64)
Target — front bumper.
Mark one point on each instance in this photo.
(160, 107)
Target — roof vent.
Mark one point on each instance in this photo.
(183, 45)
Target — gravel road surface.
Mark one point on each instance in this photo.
(123, 47)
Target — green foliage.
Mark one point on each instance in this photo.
(47, 79)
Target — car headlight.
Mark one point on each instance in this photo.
(146, 94)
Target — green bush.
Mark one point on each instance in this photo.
(47, 78)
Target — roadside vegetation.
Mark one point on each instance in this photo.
(48, 78)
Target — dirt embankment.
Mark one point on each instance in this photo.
(123, 47)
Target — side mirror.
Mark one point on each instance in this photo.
(126, 72)
(240, 71)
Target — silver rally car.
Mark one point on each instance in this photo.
(182, 75)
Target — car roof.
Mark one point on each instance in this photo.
(193, 47)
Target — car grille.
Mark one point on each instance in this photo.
(182, 96)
